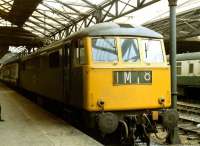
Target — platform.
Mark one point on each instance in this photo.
(27, 124)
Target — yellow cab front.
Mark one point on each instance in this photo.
(126, 73)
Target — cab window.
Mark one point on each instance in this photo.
(79, 54)
(104, 50)
(152, 51)
(130, 51)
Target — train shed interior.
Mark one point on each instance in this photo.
(28, 26)
(37, 23)
(187, 30)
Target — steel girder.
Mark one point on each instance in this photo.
(20, 11)
(75, 19)
(188, 24)
(108, 11)
(4, 17)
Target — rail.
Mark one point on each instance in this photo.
(189, 119)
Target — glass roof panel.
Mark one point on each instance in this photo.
(6, 5)
(5, 23)
(54, 15)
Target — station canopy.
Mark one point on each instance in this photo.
(50, 20)
(30, 24)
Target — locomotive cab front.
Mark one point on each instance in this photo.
(126, 73)
(125, 79)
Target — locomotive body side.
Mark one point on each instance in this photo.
(42, 74)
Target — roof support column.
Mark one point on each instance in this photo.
(173, 137)
(172, 4)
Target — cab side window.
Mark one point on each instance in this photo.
(67, 55)
(79, 53)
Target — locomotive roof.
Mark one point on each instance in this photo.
(104, 29)
(110, 29)
(115, 29)
(188, 56)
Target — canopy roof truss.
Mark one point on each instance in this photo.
(106, 11)
(55, 19)
(188, 24)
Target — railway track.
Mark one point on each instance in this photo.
(189, 119)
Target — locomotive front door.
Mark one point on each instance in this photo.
(66, 72)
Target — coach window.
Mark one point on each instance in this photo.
(130, 51)
(54, 59)
(178, 68)
(191, 68)
(104, 50)
(152, 51)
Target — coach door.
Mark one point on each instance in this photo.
(66, 72)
